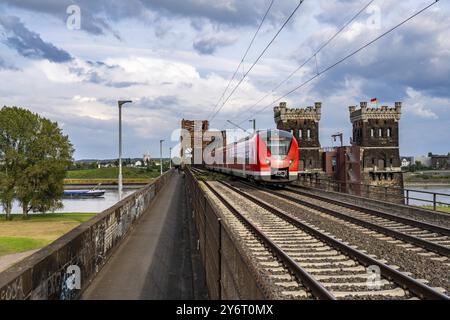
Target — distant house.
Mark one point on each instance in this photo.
(138, 163)
(406, 161)
(440, 162)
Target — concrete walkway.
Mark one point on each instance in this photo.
(8, 260)
(158, 260)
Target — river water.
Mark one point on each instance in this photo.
(92, 205)
(111, 197)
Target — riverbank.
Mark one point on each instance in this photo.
(112, 173)
(105, 183)
(427, 178)
(430, 184)
(36, 232)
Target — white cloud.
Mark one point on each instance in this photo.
(56, 72)
(419, 104)
(84, 99)
(152, 70)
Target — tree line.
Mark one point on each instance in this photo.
(34, 158)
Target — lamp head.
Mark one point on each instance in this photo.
(122, 102)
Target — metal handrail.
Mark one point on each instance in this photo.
(377, 192)
(430, 192)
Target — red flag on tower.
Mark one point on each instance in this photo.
(374, 101)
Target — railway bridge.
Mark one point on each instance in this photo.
(197, 235)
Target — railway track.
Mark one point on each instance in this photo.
(427, 236)
(323, 267)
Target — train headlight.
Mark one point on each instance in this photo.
(290, 161)
(267, 161)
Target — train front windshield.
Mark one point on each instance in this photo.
(278, 142)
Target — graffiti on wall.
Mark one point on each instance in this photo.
(13, 291)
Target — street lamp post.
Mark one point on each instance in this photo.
(160, 155)
(170, 157)
(120, 104)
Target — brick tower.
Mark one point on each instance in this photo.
(304, 124)
(375, 131)
(192, 151)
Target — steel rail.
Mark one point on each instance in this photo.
(411, 222)
(426, 244)
(317, 289)
(418, 288)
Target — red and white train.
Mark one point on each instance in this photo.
(269, 156)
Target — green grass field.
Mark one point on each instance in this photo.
(426, 177)
(10, 245)
(439, 208)
(36, 232)
(49, 217)
(112, 173)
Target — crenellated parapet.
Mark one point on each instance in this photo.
(283, 114)
(380, 113)
(303, 123)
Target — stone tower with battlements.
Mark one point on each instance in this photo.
(376, 132)
(304, 124)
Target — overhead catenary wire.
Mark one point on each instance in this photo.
(258, 58)
(313, 56)
(345, 58)
(244, 56)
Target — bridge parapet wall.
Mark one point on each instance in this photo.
(228, 271)
(63, 269)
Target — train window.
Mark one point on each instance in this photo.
(278, 142)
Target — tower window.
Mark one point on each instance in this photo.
(380, 133)
(372, 133)
(388, 132)
(300, 133)
(308, 134)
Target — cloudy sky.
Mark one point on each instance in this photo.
(174, 59)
